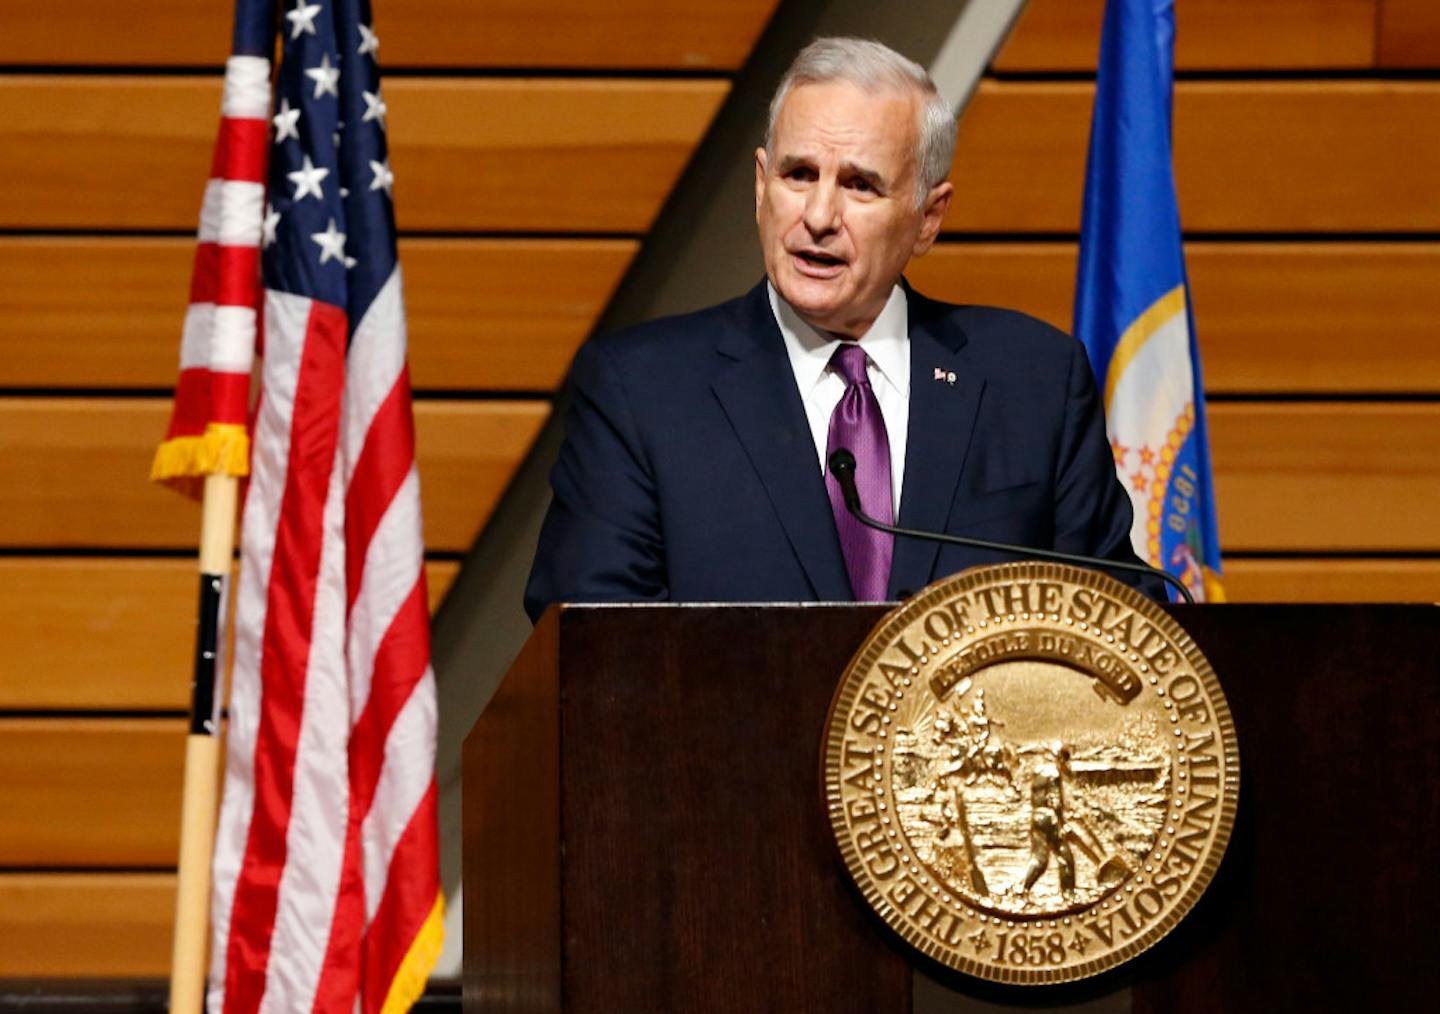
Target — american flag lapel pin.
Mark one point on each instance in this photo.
(948, 376)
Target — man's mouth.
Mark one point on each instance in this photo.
(818, 259)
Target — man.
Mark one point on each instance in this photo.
(696, 446)
(1047, 821)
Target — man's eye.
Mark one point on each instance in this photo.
(801, 174)
(862, 185)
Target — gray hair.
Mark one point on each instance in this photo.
(873, 66)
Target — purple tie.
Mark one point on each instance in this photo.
(858, 426)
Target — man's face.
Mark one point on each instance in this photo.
(835, 202)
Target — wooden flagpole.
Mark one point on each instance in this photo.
(202, 750)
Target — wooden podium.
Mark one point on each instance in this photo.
(644, 828)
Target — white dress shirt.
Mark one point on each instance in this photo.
(887, 348)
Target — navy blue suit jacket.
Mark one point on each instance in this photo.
(689, 473)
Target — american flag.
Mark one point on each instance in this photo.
(207, 432)
(326, 885)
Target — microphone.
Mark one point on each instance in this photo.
(842, 466)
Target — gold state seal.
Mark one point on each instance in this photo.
(1031, 772)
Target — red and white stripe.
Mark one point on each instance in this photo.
(217, 349)
(325, 859)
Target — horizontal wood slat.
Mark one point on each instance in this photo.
(1327, 476)
(574, 156)
(100, 312)
(89, 925)
(115, 33)
(1321, 579)
(1409, 33)
(503, 314)
(572, 33)
(93, 633)
(1312, 476)
(547, 154)
(1251, 156)
(90, 792)
(413, 33)
(1272, 317)
(73, 470)
(1210, 35)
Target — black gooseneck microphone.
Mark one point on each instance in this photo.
(842, 466)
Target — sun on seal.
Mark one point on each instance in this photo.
(1031, 772)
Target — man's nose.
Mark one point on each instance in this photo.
(822, 209)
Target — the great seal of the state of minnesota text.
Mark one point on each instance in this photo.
(1031, 772)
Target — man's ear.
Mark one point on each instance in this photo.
(760, 163)
(937, 203)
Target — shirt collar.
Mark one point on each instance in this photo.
(810, 349)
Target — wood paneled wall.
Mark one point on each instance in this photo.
(533, 142)
(1348, 156)
(1304, 154)
(453, 35)
(1260, 36)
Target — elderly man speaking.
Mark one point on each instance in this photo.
(694, 463)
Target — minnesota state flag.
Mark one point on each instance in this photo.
(1132, 304)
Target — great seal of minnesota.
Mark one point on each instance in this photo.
(1031, 772)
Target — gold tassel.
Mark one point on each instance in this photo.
(223, 449)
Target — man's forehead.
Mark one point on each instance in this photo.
(850, 95)
(844, 111)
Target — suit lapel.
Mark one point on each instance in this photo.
(942, 420)
(756, 388)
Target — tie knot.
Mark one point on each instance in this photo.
(849, 360)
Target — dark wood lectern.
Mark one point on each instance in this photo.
(644, 828)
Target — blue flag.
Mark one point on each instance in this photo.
(1132, 301)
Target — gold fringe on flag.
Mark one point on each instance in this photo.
(183, 462)
(1214, 589)
(414, 971)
